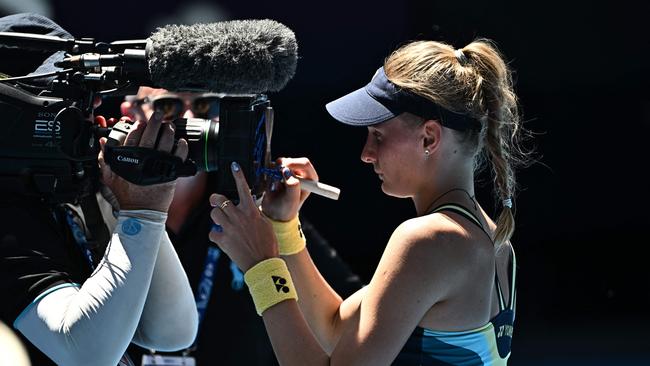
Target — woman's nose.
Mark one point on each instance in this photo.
(368, 154)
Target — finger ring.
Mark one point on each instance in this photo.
(224, 204)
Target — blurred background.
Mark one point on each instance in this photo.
(582, 77)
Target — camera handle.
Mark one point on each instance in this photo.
(140, 165)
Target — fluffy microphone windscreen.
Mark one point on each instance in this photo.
(232, 57)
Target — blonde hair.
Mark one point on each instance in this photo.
(475, 81)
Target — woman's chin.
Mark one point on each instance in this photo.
(386, 188)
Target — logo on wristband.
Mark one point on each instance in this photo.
(131, 226)
(280, 284)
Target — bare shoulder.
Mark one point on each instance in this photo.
(431, 235)
(433, 249)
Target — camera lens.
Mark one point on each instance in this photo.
(201, 135)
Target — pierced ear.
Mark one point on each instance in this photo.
(431, 132)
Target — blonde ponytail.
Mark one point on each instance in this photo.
(475, 81)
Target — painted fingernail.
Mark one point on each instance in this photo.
(235, 167)
(218, 228)
(286, 172)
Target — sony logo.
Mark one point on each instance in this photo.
(46, 114)
(126, 159)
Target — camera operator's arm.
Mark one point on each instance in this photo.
(94, 323)
(169, 319)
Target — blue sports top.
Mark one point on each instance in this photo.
(486, 345)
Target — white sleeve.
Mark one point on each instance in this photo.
(169, 321)
(93, 324)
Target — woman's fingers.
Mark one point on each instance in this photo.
(300, 167)
(222, 206)
(291, 184)
(216, 236)
(214, 199)
(245, 199)
(289, 179)
(246, 236)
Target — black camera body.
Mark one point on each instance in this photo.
(49, 143)
(238, 134)
(47, 147)
(242, 137)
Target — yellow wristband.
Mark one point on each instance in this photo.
(269, 283)
(291, 240)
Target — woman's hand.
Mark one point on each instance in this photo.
(283, 201)
(246, 235)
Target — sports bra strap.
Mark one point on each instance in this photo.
(513, 288)
(512, 266)
(502, 302)
(463, 212)
(513, 263)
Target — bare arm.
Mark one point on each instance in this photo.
(319, 303)
(414, 274)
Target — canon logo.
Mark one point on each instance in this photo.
(126, 159)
